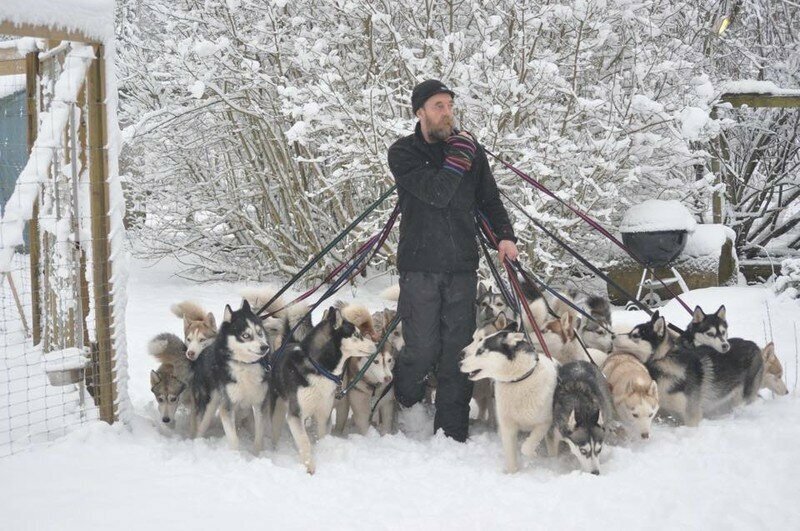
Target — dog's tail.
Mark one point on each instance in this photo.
(168, 348)
(392, 293)
(189, 311)
(261, 295)
(360, 317)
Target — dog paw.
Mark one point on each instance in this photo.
(529, 449)
(310, 468)
(511, 469)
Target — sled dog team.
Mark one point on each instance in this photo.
(598, 385)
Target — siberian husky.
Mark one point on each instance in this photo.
(581, 407)
(172, 377)
(300, 391)
(564, 344)
(633, 391)
(594, 333)
(230, 374)
(483, 390)
(283, 323)
(773, 371)
(683, 378)
(366, 391)
(696, 382)
(709, 330)
(199, 327)
(491, 304)
(737, 376)
(524, 384)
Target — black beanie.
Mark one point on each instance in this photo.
(426, 89)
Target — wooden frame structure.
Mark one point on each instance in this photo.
(750, 99)
(95, 133)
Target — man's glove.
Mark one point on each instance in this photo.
(460, 153)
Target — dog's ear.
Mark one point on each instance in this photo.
(501, 322)
(652, 391)
(567, 327)
(721, 312)
(154, 378)
(655, 316)
(335, 317)
(246, 306)
(660, 327)
(698, 315)
(481, 289)
(571, 422)
(227, 315)
(210, 321)
(768, 351)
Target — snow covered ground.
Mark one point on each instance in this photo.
(737, 472)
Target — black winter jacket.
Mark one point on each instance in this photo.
(437, 227)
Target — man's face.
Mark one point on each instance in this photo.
(436, 117)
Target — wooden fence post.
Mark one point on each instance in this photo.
(101, 265)
(31, 87)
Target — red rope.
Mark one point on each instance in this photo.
(518, 289)
(592, 223)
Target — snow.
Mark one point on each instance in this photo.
(11, 85)
(707, 240)
(65, 359)
(693, 120)
(93, 18)
(735, 472)
(752, 86)
(657, 215)
(19, 207)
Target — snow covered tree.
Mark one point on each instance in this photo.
(256, 130)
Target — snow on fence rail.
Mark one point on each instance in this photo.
(62, 274)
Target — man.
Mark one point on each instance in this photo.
(443, 178)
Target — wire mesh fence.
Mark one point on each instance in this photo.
(55, 370)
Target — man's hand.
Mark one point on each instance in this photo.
(507, 249)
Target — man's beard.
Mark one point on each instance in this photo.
(441, 132)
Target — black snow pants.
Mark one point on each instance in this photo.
(438, 317)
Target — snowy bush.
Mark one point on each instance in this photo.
(788, 282)
(257, 130)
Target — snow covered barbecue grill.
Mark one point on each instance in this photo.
(656, 232)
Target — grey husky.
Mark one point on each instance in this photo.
(581, 407)
(172, 377)
(491, 304)
(300, 391)
(709, 330)
(230, 374)
(595, 334)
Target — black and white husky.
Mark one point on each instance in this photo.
(710, 330)
(524, 385)
(300, 390)
(696, 382)
(230, 374)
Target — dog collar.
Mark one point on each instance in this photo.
(326, 373)
(526, 375)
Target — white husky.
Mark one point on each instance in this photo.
(524, 387)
